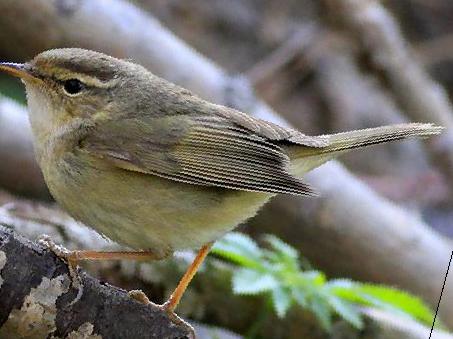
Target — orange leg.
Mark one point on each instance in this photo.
(177, 294)
(73, 257)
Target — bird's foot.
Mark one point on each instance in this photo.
(69, 257)
(176, 319)
(141, 297)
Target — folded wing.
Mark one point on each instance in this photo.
(201, 150)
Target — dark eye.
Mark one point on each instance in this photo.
(73, 86)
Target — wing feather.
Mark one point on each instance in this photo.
(200, 150)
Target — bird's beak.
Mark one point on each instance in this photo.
(17, 70)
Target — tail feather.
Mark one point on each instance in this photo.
(306, 158)
(371, 136)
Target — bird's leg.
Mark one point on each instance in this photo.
(175, 297)
(73, 258)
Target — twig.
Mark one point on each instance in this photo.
(435, 50)
(292, 47)
(440, 296)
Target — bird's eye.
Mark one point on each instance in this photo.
(73, 86)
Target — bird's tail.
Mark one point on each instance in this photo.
(307, 158)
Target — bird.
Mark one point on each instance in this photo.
(154, 167)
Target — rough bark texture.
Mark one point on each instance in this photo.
(37, 301)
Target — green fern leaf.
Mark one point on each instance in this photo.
(346, 310)
(323, 312)
(239, 248)
(247, 281)
(281, 300)
(280, 246)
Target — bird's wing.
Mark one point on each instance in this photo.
(269, 130)
(210, 150)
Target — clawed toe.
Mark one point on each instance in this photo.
(58, 250)
(72, 257)
(176, 319)
(139, 296)
(68, 256)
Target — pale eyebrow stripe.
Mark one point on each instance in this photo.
(88, 80)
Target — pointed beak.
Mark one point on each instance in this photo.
(17, 70)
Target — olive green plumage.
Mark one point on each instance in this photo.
(152, 166)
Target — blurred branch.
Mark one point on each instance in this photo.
(343, 87)
(436, 50)
(113, 27)
(379, 240)
(421, 98)
(18, 172)
(290, 49)
(37, 300)
(350, 222)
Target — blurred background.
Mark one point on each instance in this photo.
(385, 213)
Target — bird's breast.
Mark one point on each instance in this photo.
(145, 211)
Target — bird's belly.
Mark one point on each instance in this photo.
(148, 212)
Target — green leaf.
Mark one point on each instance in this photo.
(300, 296)
(401, 300)
(323, 312)
(346, 310)
(317, 278)
(383, 297)
(276, 271)
(280, 246)
(247, 281)
(239, 248)
(349, 290)
(281, 300)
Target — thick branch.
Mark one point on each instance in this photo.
(37, 300)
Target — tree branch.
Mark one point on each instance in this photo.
(37, 300)
(19, 171)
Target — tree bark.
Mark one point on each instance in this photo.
(37, 300)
